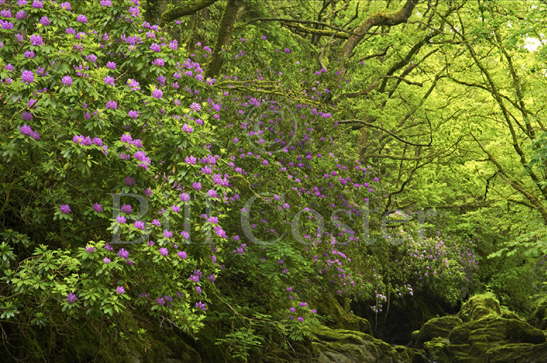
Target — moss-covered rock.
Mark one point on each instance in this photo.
(539, 316)
(342, 317)
(436, 327)
(348, 346)
(436, 349)
(479, 306)
(518, 353)
(483, 331)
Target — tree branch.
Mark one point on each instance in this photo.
(391, 19)
(185, 10)
(224, 34)
(386, 131)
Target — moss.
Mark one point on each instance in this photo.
(518, 352)
(342, 318)
(479, 306)
(539, 315)
(437, 327)
(341, 345)
(437, 351)
(459, 335)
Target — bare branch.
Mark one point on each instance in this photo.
(390, 19)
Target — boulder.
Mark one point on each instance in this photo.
(348, 346)
(479, 306)
(483, 331)
(436, 328)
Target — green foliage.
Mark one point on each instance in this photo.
(315, 172)
(241, 343)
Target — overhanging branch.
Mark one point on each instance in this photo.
(185, 10)
(390, 19)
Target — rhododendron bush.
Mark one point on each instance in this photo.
(127, 173)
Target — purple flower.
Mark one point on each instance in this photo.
(195, 106)
(128, 180)
(120, 290)
(36, 40)
(157, 93)
(220, 232)
(133, 114)
(126, 208)
(29, 54)
(140, 155)
(156, 222)
(26, 130)
(108, 80)
(167, 233)
(106, 3)
(112, 105)
(91, 57)
(81, 18)
(110, 65)
(66, 5)
(164, 251)
(201, 305)
(183, 255)
(97, 207)
(65, 209)
(20, 15)
(90, 249)
(185, 197)
(27, 116)
(71, 298)
(44, 20)
(187, 128)
(107, 260)
(126, 138)
(121, 219)
(37, 4)
(155, 47)
(137, 143)
(139, 225)
(133, 84)
(6, 25)
(212, 193)
(123, 253)
(27, 76)
(185, 234)
(190, 160)
(196, 185)
(134, 11)
(160, 62)
(66, 80)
